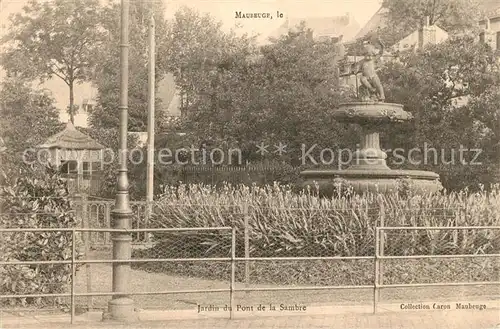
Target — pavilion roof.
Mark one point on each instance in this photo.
(71, 139)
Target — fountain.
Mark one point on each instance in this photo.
(368, 170)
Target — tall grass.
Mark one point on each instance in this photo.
(282, 223)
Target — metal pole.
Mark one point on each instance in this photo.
(233, 273)
(382, 248)
(86, 248)
(151, 116)
(73, 275)
(377, 264)
(121, 307)
(247, 246)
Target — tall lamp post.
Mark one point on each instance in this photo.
(121, 306)
(151, 113)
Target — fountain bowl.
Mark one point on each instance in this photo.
(371, 181)
(369, 113)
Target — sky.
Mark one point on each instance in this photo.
(224, 10)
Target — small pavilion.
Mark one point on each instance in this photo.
(77, 156)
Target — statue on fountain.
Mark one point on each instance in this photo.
(368, 170)
(371, 88)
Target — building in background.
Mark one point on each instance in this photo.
(490, 26)
(84, 96)
(322, 27)
(421, 37)
(427, 34)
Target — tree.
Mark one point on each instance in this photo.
(240, 95)
(429, 83)
(456, 17)
(59, 38)
(28, 117)
(197, 48)
(106, 114)
(451, 15)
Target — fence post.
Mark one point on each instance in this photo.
(376, 276)
(247, 244)
(233, 273)
(86, 247)
(382, 247)
(107, 219)
(73, 275)
(149, 213)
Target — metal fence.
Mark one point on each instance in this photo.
(450, 247)
(385, 240)
(97, 214)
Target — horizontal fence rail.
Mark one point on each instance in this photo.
(73, 261)
(378, 259)
(381, 238)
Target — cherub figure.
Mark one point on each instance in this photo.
(369, 78)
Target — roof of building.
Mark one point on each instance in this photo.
(332, 26)
(378, 20)
(490, 7)
(71, 139)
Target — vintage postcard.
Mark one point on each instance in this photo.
(249, 164)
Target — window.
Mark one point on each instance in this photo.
(96, 166)
(69, 167)
(87, 105)
(86, 169)
(482, 37)
(85, 166)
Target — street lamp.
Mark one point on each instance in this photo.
(121, 306)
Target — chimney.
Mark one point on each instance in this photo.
(347, 18)
(487, 35)
(426, 34)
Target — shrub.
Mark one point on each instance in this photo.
(285, 224)
(35, 202)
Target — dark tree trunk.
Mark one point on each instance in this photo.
(71, 103)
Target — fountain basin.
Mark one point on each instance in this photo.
(371, 181)
(368, 172)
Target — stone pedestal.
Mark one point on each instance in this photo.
(370, 156)
(368, 170)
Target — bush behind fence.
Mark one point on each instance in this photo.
(274, 222)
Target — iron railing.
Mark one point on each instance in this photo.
(377, 258)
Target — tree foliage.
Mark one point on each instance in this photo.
(239, 95)
(451, 90)
(454, 16)
(36, 201)
(106, 113)
(55, 39)
(27, 118)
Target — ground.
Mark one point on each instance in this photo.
(141, 281)
(415, 320)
